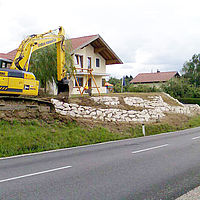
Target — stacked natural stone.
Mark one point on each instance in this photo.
(160, 106)
(76, 110)
(153, 109)
(155, 102)
(110, 101)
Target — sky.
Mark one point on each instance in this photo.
(147, 35)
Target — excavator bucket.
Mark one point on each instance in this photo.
(63, 90)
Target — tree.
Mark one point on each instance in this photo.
(113, 80)
(181, 88)
(43, 64)
(191, 70)
(127, 83)
(117, 83)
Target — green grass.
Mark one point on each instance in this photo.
(18, 138)
(35, 136)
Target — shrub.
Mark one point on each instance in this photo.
(181, 88)
(142, 88)
(190, 100)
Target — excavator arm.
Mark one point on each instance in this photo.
(35, 42)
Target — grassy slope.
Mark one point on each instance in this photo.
(34, 135)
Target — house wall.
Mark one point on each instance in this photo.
(86, 52)
(98, 80)
(90, 53)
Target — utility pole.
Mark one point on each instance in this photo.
(122, 85)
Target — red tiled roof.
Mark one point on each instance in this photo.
(99, 45)
(3, 55)
(81, 41)
(154, 77)
(11, 54)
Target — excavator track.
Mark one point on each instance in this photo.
(24, 103)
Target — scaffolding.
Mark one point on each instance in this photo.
(85, 87)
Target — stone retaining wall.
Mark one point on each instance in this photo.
(153, 109)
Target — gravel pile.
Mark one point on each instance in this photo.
(192, 195)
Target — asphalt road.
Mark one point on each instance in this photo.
(156, 167)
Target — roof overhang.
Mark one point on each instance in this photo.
(101, 47)
(6, 60)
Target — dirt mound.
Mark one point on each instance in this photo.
(51, 117)
(30, 114)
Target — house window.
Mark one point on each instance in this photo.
(78, 61)
(89, 82)
(103, 82)
(4, 64)
(97, 62)
(79, 80)
(89, 62)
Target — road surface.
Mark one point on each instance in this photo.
(156, 167)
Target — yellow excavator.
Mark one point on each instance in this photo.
(18, 80)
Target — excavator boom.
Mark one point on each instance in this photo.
(38, 41)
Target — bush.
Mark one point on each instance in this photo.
(181, 88)
(142, 88)
(190, 100)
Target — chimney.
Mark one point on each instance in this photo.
(158, 71)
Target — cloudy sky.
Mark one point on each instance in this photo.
(146, 34)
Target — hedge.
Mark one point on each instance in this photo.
(190, 100)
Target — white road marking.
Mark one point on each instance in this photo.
(196, 138)
(148, 149)
(34, 174)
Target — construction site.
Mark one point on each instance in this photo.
(80, 94)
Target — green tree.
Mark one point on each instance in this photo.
(127, 83)
(113, 80)
(43, 64)
(117, 84)
(181, 88)
(191, 70)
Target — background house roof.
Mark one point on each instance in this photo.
(11, 54)
(154, 77)
(100, 46)
(8, 56)
(4, 56)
